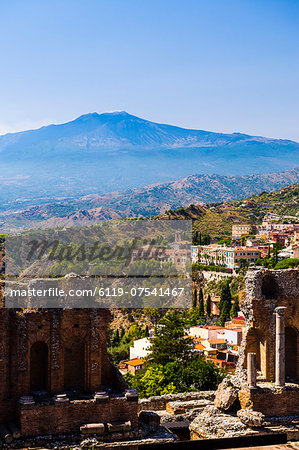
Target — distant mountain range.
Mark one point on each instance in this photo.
(101, 153)
(120, 130)
(148, 201)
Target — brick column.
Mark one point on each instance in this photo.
(55, 349)
(251, 370)
(280, 347)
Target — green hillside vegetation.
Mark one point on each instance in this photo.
(216, 219)
(282, 202)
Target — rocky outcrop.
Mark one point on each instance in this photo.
(213, 423)
(149, 418)
(227, 394)
(251, 418)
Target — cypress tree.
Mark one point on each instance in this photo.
(122, 332)
(225, 303)
(116, 337)
(208, 306)
(194, 299)
(201, 309)
(234, 309)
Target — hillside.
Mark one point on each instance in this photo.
(284, 202)
(216, 220)
(147, 201)
(102, 153)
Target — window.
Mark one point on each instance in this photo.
(74, 365)
(269, 287)
(39, 366)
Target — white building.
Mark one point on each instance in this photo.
(288, 252)
(140, 349)
(194, 253)
(199, 332)
(233, 336)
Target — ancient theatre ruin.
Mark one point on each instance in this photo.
(55, 373)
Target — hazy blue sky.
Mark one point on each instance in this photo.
(220, 65)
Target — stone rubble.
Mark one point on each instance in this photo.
(213, 423)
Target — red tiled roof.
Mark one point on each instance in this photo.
(134, 362)
(199, 347)
(217, 341)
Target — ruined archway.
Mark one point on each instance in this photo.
(39, 366)
(269, 286)
(291, 352)
(74, 365)
(256, 343)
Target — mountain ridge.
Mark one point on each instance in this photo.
(150, 200)
(189, 136)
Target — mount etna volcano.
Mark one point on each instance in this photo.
(100, 153)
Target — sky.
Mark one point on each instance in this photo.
(218, 65)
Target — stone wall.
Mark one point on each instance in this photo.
(57, 419)
(56, 329)
(271, 401)
(54, 351)
(264, 291)
(158, 403)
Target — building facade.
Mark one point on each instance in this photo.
(240, 229)
(140, 348)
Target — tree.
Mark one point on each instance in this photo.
(234, 309)
(243, 266)
(286, 263)
(225, 303)
(151, 381)
(169, 343)
(119, 353)
(208, 306)
(115, 338)
(193, 375)
(194, 299)
(206, 239)
(201, 309)
(196, 238)
(122, 332)
(154, 314)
